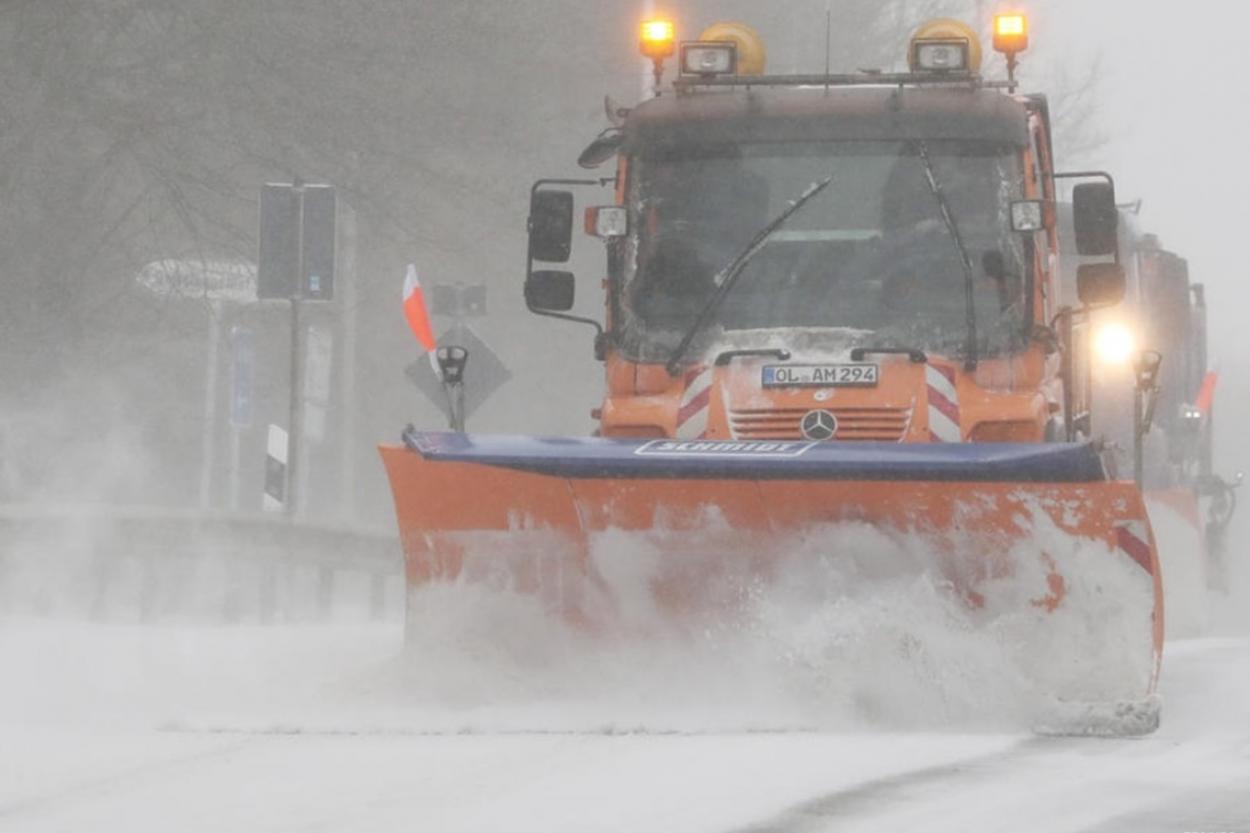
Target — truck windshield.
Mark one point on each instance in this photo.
(870, 256)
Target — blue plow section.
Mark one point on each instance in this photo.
(591, 458)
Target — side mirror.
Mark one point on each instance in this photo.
(551, 226)
(601, 149)
(1096, 219)
(549, 291)
(1100, 284)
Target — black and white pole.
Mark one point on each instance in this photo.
(296, 404)
(296, 265)
(276, 450)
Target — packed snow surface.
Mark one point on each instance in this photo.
(282, 729)
(893, 707)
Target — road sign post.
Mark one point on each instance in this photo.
(242, 396)
(296, 264)
(295, 410)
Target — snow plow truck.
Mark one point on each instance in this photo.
(832, 302)
(1164, 437)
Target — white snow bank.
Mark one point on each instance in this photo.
(858, 628)
(855, 629)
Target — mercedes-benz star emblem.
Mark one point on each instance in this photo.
(819, 425)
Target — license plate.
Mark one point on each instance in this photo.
(822, 376)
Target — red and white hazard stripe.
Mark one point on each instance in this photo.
(943, 404)
(1133, 539)
(695, 402)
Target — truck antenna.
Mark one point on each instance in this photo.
(828, 41)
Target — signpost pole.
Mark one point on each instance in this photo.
(296, 264)
(294, 419)
(347, 371)
(236, 465)
(209, 440)
(242, 382)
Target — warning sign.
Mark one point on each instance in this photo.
(484, 374)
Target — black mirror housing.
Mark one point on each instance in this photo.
(551, 226)
(1096, 219)
(549, 291)
(1100, 284)
(607, 145)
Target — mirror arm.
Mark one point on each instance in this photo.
(601, 338)
(601, 182)
(564, 316)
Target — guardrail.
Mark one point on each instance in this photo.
(144, 563)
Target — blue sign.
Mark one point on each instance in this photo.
(242, 376)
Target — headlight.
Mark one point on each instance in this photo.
(1028, 215)
(607, 221)
(709, 58)
(1114, 344)
(941, 56)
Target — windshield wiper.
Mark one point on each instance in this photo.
(728, 276)
(970, 311)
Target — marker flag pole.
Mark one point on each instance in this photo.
(418, 316)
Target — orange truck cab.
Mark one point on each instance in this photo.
(834, 258)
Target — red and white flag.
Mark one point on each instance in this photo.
(415, 311)
(419, 317)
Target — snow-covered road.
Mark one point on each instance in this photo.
(252, 729)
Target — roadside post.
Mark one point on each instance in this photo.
(296, 264)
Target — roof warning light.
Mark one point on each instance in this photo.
(658, 39)
(1011, 33)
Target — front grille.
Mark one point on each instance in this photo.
(862, 424)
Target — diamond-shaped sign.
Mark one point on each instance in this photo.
(484, 374)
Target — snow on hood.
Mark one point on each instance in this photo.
(804, 343)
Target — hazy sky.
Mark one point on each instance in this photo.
(1180, 133)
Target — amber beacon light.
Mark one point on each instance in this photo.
(1011, 33)
(658, 39)
(1011, 37)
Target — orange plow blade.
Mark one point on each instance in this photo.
(615, 534)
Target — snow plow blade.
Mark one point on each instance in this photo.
(708, 523)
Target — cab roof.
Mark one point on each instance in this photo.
(767, 114)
